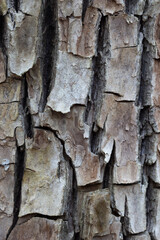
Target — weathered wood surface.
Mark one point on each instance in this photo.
(80, 119)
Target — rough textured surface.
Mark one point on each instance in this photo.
(79, 119)
(46, 175)
(70, 127)
(73, 88)
(38, 228)
(129, 201)
(97, 219)
(22, 43)
(122, 126)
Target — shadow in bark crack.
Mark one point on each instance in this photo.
(49, 49)
(19, 170)
(20, 154)
(16, 5)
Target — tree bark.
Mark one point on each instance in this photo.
(79, 119)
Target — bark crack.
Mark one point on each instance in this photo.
(20, 154)
(146, 129)
(19, 170)
(17, 5)
(49, 39)
(98, 84)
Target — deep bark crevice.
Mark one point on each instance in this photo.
(77, 236)
(146, 153)
(129, 4)
(19, 170)
(95, 139)
(49, 40)
(27, 117)
(2, 29)
(125, 223)
(148, 205)
(20, 154)
(17, 5)
(108, 180)
(2, 40)
(85, 5)
(96, 95)
(108, 171)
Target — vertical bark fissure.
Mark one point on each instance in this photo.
(49, 41)
(149, 209)
(2, 40)
(129, 4)
(72, 200)
(146, 130)
(77, 236)
(108, 180)
(108, 172)
(20, 154)
(98, 84)
(16, 5)
(85, 5)
(2, 29)
(18, 176)
(27, 117)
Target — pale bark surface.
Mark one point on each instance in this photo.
(80, 119)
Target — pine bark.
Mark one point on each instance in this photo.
(80, 119)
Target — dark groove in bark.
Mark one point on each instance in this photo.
(85, 5)
(129, 4)
(20, 155)
(19, 170)
(146, 130)
(95, 139)
(2, 40)
(26, 218)
(149, 210)
(16, 5)
(98, 84)
(125, 222)
(77, 236)
(108, 180)
(108, 172)
(143, 101)
(27, 118)
(49, 48)
(114, 93)
(2, 29)
(47, 216)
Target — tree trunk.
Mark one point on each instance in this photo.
(80, 119)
